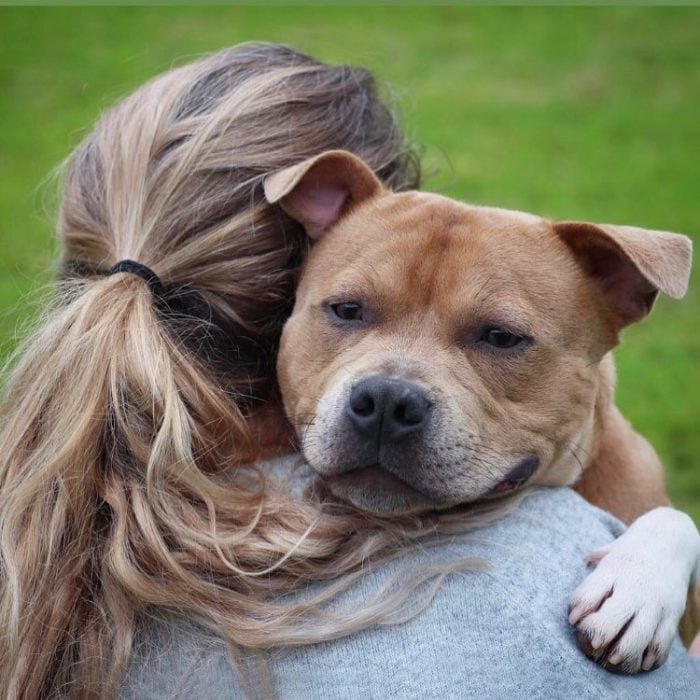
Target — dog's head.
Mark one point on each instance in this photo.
(440, 353)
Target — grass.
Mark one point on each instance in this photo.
(576, 113)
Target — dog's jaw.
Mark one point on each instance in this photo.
(376, 490)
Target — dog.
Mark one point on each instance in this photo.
(448, 353)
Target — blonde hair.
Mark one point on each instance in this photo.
(126, 474)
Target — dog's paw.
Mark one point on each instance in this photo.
(626, 612)
(626, 615)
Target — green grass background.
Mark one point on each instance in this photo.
(576, 113)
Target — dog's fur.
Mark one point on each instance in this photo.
(426, 282)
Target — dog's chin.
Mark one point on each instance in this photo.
(377, 491)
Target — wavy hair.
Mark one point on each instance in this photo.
(130, 424)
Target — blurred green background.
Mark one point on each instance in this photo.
(576, 113)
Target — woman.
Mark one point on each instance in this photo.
(133, 417)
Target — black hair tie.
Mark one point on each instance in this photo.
(145, 273)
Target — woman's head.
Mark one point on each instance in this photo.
(171, 177)
(125, 419)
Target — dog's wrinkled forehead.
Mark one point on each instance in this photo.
(419, 250)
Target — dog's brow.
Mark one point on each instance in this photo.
(356, 280)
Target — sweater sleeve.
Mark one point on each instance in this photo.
(499, 633)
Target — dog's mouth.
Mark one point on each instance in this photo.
(375, 489)
(517, 478)
(371, 479)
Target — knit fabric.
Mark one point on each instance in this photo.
(500, 633)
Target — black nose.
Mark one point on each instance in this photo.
(387, 409)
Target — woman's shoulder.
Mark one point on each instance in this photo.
(497, 628)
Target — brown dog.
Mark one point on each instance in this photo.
(446, 353)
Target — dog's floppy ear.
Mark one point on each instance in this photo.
(631, 265)
(319, 191)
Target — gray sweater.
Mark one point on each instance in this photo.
(496, 634)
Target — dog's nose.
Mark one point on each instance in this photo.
(387, 409)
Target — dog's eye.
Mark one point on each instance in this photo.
(498, 338)
(347, 311)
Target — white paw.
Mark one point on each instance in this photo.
(626, 612)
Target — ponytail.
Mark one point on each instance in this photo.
(57, 606)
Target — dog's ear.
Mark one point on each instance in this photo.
(321, 190)
(631, 265)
